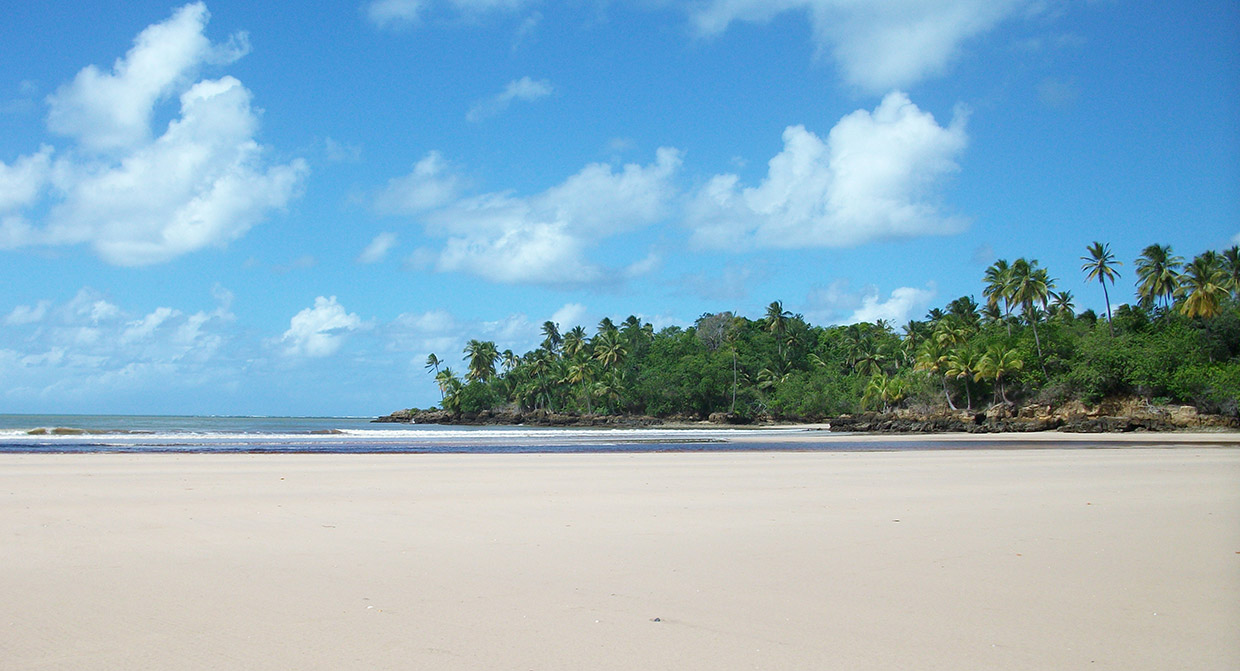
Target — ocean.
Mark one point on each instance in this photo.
(130, 433)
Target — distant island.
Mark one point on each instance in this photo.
(1020, 360)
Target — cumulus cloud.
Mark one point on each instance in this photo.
(432, 183)
(320, 330)
(522, 90)
(378, 248)
(138, 199)
(544, 238)
(877, 45)
(898, 307)
(90, 345)
(570, 315)
(840, 304)
(872, 178)
(399, 13)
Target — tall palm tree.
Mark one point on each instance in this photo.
(1030, 288)
(776, 322)
(1231, 268)
(1157, 270)
(509, 360)
(551, 336)
(574, 342)
(998, 280)
(432, 362)
(449, 389)
(1100, 265)
(481, 356)
(1204, 285)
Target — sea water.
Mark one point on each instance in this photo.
(129, 433)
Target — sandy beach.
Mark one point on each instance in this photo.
(1120, 558)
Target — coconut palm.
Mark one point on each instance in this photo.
(580, 372)
(1157, 270)
(574, 342)
(1030, 287)
(481, 356)
(932, 356)
(996, 364)
(551, 336)
(432, 362)
(962, 364)
(998, 280)
(609, 349)
(1100, 265)
(776, 323)
(449, 389)
(1231, 268)
(1061, 305)
(509, 360)
(885, 389)
(1203, 284)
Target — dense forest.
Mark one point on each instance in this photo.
(1178, 342)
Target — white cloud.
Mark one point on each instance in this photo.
(378, 248)
(432, 183)
(570, 315)
(877, 45)
(138, 200)
(91, 346)
(543, 239)
(399, 13)
(902, 304)
(26, 314)
(831, 303)
(523, 89)
(21, 183)
(872, 178)
(319, 331)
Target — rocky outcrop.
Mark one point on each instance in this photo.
(1111, 416)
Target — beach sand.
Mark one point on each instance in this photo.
(1121, 558)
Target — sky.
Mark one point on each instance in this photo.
(248, 208)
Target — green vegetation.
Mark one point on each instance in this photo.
(1179, 342)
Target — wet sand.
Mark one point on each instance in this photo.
(1121, 558)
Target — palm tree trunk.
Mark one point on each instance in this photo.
(947, 395)
(1107, 298)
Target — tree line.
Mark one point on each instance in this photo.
(1178, 342)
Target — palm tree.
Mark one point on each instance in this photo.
(1062, 307)
(609, 349)
(962, 364)
(1099, 265)
(998, 280)
(884, 388)
(574, 342)
(932, 356)
(1231, 268)
(481, 356)
(1204, 284)
(551, 336)
(1157, 268)
(432, 362)
(580, 372)
(1030, 287)
(509, 360)
(997, 363)
(776, 322)
(449, 389)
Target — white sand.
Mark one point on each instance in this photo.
(960, 559)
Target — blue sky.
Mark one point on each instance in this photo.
(240, 208)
